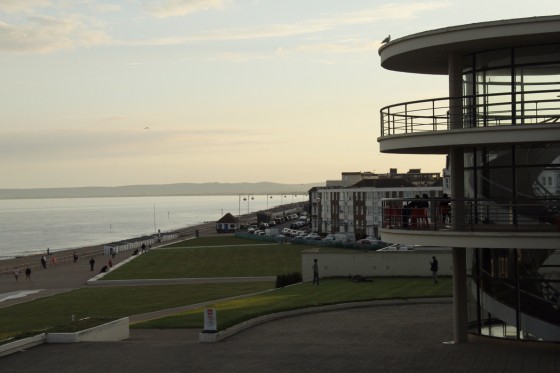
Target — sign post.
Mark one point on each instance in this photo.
(210, 320)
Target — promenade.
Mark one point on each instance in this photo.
(378, 338)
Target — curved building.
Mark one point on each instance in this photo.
(500, 128)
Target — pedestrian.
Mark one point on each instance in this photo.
(143, 248)
(75, 257)
(113, 252)
(44, 262)
(28, 274)
(91, 263)
(16, 273)
(434, 269)
(315, 272)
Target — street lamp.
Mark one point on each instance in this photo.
(247, 199)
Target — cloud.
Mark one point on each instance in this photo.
(54, 144)
(22, 6)
(177, 8)
(317, 25)
(46, 34)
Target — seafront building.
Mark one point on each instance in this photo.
(500, 128)
(353, 204)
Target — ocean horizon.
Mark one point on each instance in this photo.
(31, 226)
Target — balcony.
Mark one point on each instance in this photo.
(425, 126)
(498, 223)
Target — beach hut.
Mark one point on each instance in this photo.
(227, 224)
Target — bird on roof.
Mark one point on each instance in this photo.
(386, 40)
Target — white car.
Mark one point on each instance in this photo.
(313, 236)
(329, 237)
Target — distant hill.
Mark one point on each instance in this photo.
(181, 189)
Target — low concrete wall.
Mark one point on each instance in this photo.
(22, 344)
(375, 263)
(113, 331)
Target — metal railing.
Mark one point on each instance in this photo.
(484, 110)
(523, 214)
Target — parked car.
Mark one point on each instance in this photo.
(367, 241)
(329, 237)
(313, 236)
(272, 223)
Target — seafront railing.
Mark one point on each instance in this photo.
(67, 256)
(482, 110)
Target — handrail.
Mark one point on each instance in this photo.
(482, 110)
(500, 214)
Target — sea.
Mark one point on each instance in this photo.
(31, 226)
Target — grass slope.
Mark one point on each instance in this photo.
(331, 291)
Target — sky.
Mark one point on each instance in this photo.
(105, 93)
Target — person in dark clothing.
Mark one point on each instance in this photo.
(434, 268)
(28, 273)
(315, 272)
(44, 262)
(75, 257)
(91, 263)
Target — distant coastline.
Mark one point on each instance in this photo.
(179, 189)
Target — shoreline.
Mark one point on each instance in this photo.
(65, 255)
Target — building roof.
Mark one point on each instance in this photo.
(227, 218)
(383, 183)
(427, 52)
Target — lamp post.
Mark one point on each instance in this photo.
(248, 199)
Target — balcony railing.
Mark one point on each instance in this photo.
(528, 215)
(498, 109)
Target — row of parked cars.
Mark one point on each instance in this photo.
(259, 229)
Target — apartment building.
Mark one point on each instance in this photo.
(357, 209)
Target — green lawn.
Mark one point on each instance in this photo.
(331, 291)
(232, 260)
(207, 257)
(112, 302)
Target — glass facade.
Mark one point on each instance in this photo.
(514, 293)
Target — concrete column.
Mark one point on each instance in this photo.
(460, 319)
(456, 165)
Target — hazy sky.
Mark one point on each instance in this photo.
(259, 90)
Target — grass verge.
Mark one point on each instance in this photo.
(331, 291)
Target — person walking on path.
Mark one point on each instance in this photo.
(44, 262)
(434, 269)
(16, 273)
(91, 263)
(315, 272)
(75, 257)
(27, 274)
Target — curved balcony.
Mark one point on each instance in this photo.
(499, 223)
(424, 126)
